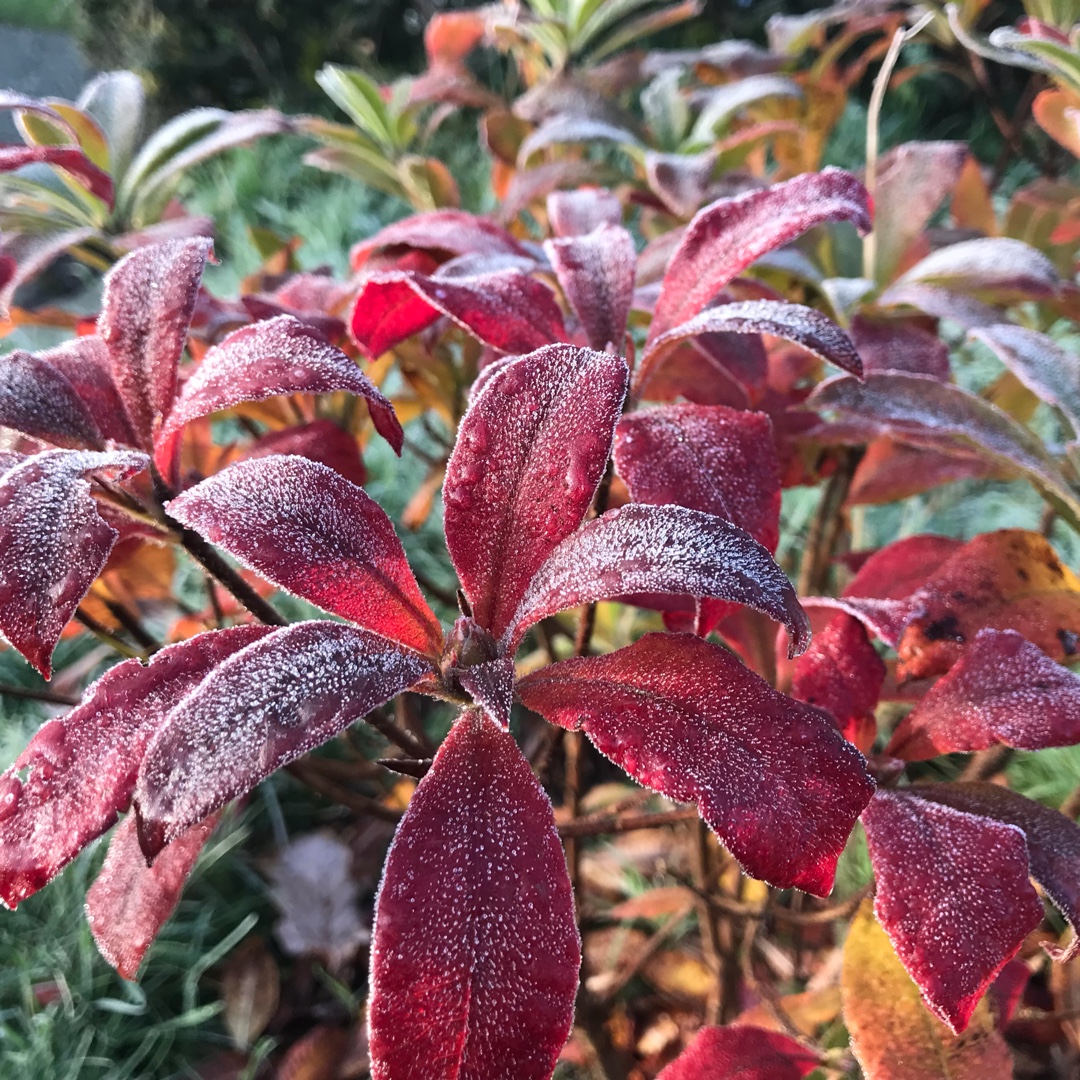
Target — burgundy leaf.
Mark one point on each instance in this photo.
(507, 309)
(726, 237)
(262, 307)
(310, 531)
(900, 346)
(145, 314)
(490, 685)
(569, 128)
(474, 963)
(950, 885)
(281, 356)
(660, 549)
(1053, 842)
(596, 272)
(530, 453)
(82, 767)
(68, 158)
(1002, 690)
(575, 213)
(321, 440)
(793, 322)
(890, 471)
(130, 902)
(37, 400)
(265, 706)
(53, 544)
(995, 265)
(773, 777)
(742, 1052)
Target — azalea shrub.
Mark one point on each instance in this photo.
(619, 383)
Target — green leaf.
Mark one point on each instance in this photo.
(354, 93)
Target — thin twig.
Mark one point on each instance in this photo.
(603, 824)
(389, 730)
(987, 763)
(37, 695)
(133, 625)
(826, 527)
(707, 923)
(103, 633)
(351, 800)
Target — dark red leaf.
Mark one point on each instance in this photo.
(322, 441)
(282, 356)
(726, 237)
(596, 272)
(145, 314)
(741, 1053)
(81, 768)
(660, 549)
(773, 777)
(265, 706)
(530, 453)
(84, 361)
(890, 471)
(310, 531)
(53, 543)
(897, 570)
(900, 346)
(575, 213)
(506, 309)
(952, 894)
(1007, 991)
(68, 158)
(130, 902)
(490, 685)
(474, 963)
(37, 400)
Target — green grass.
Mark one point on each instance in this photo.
(38, 14)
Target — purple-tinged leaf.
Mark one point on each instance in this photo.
(530, 453)
(130, 902)
(37, 400)
(596, 272)
(53, 544)
(995, 266)
(490, 685)
(681, 181)
(474, 963)
(310, 531)
(900, 346)
(942, 304)
(727, 236)
(70, 159)
(793, 322)
(685, 718)
(282, 356)
(660, 549)
(1040, 363)
(508, 310)
(567, 128)
(81, 768)
(742, 1052)
(575, 213)
(950, 885)
(1003, 690)
(1053, 843)
(265, 706)
(145, 314)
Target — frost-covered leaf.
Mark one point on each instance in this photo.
(310, 531)
(36, 399)
(900, 346)
(570, 128)
(476, 953)
(53, 543)
(575, 213)
(793, 322)
(265, 706)
(490, 685)
(941, 303)
(773, 777)
(996, 266)
(749, 1053)
(506, 309)
(82, 767)
(890, 471)
(281, 356)
(130, 902)
(530, 453)
(68, 158)
(596, 272)
(660, 549)
(950, 885)
(727, 236)
(680, 180)
(145, 314)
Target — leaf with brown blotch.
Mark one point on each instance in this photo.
(748, 1053)
(996, 268)
(36, 399)
(686, 718)
(950, 884)
(893, 1034)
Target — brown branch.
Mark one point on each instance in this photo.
(987, 763)
(133, 625)
(605, 823)
(37, 695)
(827, 525)
(343, 796)
(390, 731)
(708, 926)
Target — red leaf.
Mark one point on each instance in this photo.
(474, 964)
(890, 471)
(596, 272)
(897, 570)
(282, 356)
(322, 441)
(772, 777)
(575, 213)
(748, 1053)
(900, 346)
(660, 549)
(265, 706)
(1002, 690)
(82, 767)
(530, 453)
(68, 158)
(145, 314)
(84, 361)
(130, 902)
(841, 672)
(310, 531)
(506, 309)
(726, 237)
(885, 619)
(53, 543)
(950, 885)
(793, 322)
(37, 400)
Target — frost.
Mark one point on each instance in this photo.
(37, 400)
(575, 213)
